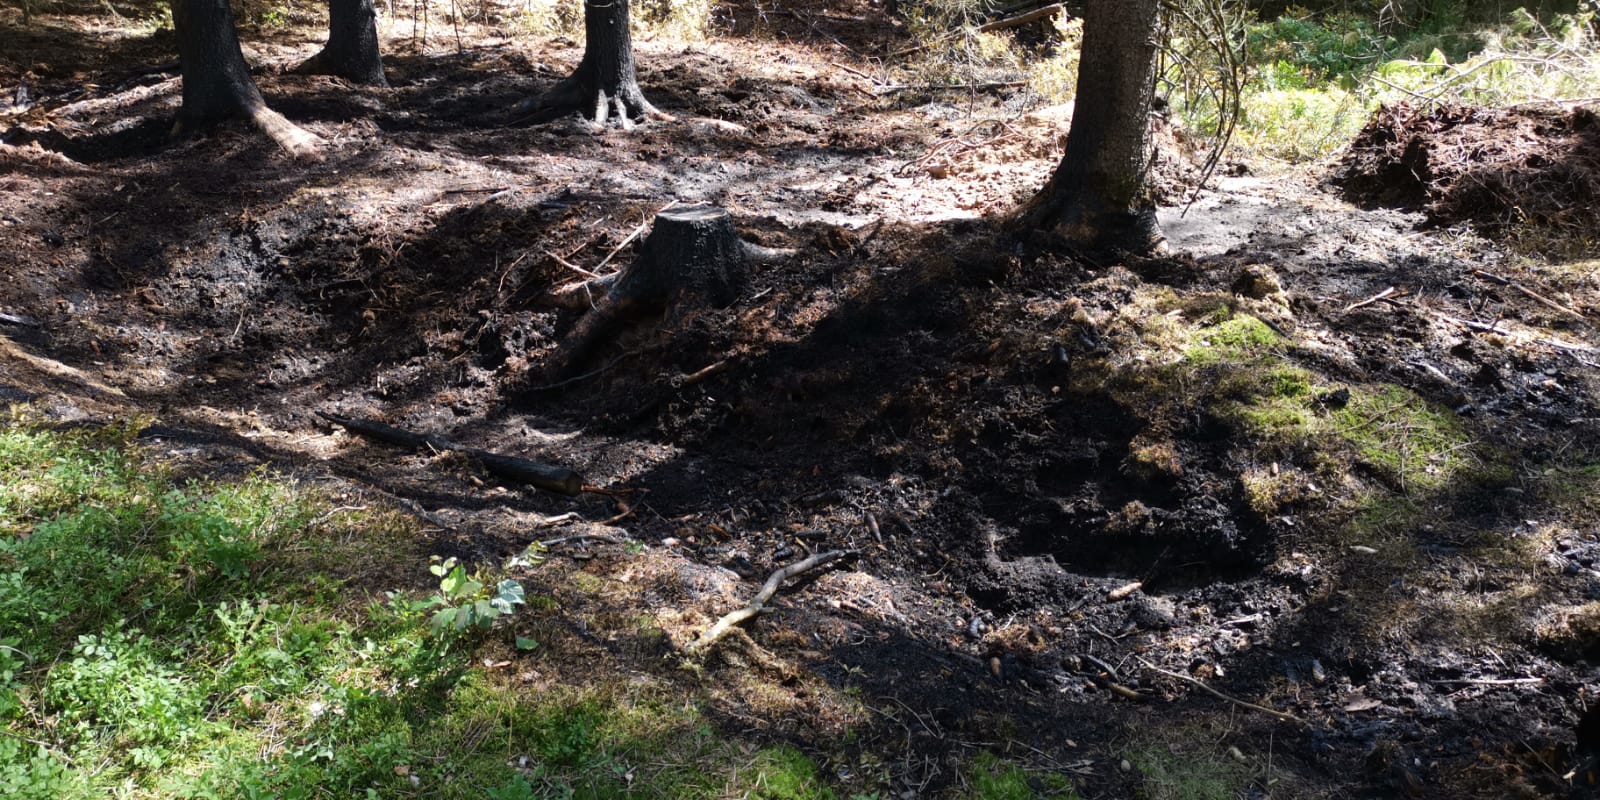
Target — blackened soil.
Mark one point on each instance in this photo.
(1057, 501)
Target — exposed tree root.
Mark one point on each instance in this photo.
(624, 107)
(768, 591)
(295, 140)
(324, 63)
(552, 479)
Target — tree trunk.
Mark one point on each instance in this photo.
(352, 49)
(217, 84)
(1099, 197)
(604, 87)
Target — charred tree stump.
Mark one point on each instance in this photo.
(692, 255)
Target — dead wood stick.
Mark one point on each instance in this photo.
(854, 71)
(700, 374)
(1566, 346)
(1473, 325)
(587, 375)
(942, 87)
(1551, 304)
(552, 479)
(1391, 293)
(1202, 686)
(1531, 294)
(569, 265)
(1104, 681)
(1021, 19)
(643, 226)
(1488, 681)
(545, 522)
(769, 589)
(1007, 22)
(581, 295)
(1124, 591)
(603, 538)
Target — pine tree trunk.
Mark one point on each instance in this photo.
(603, 88)
(1099, 197)
(352, 49)
(217, 84)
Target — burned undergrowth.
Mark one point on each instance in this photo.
(1317, 461)
(1527, 174)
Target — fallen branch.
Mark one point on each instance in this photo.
(603, 538)
(950, 87)
(1124, 591)
(1532, 295)
(643, 226)
(1021, 19)
(768, 591)
(580, 295)
(854, 71)
(699, 374)
(1390, 294)
(1007, 22)
(1488, 682)
(1202, 686)
(587, 375)
(552, 479)
(1474, 325)
(1548, 303)
(1103, 681)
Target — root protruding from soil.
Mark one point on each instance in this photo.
(603, 88)
(623, 107)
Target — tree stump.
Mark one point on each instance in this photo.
(692, 256)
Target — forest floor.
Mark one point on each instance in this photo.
(1351, 460)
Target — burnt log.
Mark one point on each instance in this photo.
(693, 256)
(543, 476)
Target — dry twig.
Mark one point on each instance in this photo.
(1389, 295)
(768, 591)
(1202, 686)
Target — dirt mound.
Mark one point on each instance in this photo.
(1497, 169)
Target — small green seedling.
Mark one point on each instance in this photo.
(466, 603)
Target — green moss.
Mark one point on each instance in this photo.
(992, 778)
(1237, 338)
(1172, 773)
(780, 773)
(1413, 443)
(586, 583)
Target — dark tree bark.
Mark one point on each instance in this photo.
(604, 87)
(692, 257)
(217, 84)
(1099, 197)
(352, 49)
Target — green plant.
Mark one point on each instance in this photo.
(463, 602)
(517, 788)
(273, 16)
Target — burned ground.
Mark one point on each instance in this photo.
(1351, 464)
(1528, 173)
